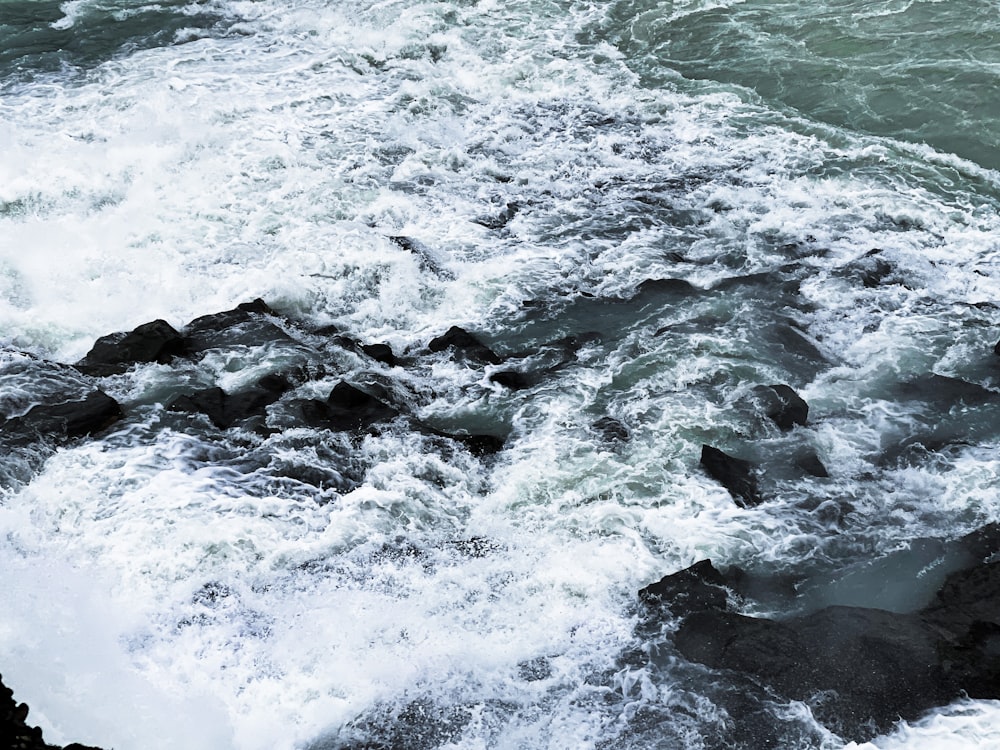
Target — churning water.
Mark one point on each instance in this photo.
(822, 175)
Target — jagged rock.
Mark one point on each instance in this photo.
(783, 405)
(156, 341)
(693, 589)
(478, 445)
(65, 420)
(347, 409)
(226, 409)
(859, 669)
(871, 666)
(429, 258)
(735, 474)
(245, 325)
(513, 379)
(501, 219)
(611, 430)
(810, 463)
(380, 353)
(465, 344)
(15, 734)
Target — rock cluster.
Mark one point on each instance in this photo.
(859, 669)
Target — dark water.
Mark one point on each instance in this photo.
(706, 198)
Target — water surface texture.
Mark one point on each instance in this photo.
(812, 187)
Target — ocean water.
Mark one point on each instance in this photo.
(823, 176)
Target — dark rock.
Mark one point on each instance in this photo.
(735, 474)
(15, 734)
(245, 325)
(115, 353)
(226, 409)
(693, 589)
(513, 379)
(968, 596)
(651, 289)
(481, 445)
(945, 390)
(810, 463)
(347, 409)
(611, 430)
(465, 344)
(783, 406)
(380, 353)
(996, 348)
(501, 219)
(428, 258)
(859, 669)
(871, 269)
(66, 420)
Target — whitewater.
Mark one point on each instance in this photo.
(819, 181)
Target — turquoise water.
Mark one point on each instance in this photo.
(922, 72)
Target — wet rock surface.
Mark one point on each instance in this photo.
(859, 669)
(16, 733)
(735, 474)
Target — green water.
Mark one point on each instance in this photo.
(923, 72)
(36, 37)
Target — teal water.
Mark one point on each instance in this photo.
(923, 71)
(47, 36)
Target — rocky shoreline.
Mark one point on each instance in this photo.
(859, 669)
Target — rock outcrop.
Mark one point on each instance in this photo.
(16, 734)
(859, 669)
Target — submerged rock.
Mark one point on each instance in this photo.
(735, 474)
(612, 430)
(226, 409)
(783, 406)
(465, 344)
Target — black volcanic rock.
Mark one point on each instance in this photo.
(347, 409)
(245, 325)
(465, 344)
(226, 409)
(65, 420)
(15, 734)
(859, 669)
(151, 342)
(735, 474)
(611, 430)
(380, 353)
(696, 588)
(515, 380)
(871, 666)
(783, 405)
